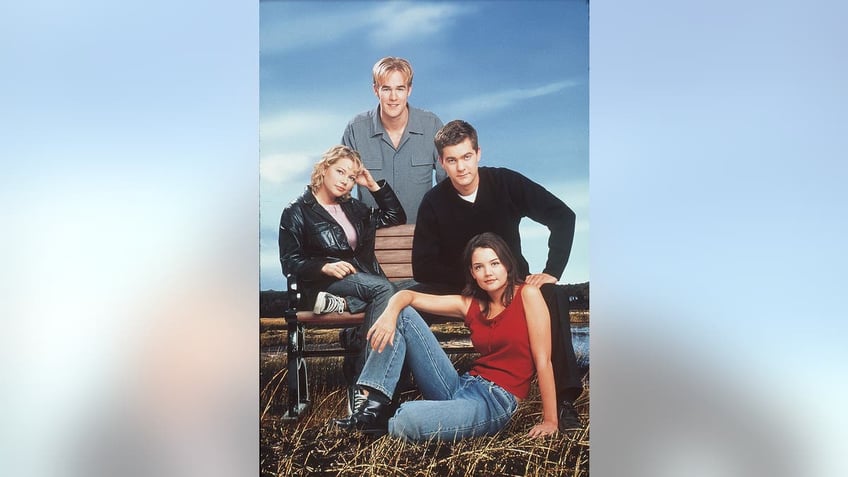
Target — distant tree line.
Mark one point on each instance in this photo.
(273, 303)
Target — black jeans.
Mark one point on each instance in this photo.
(566, 373)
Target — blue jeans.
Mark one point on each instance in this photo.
(364, 291)
(454, 406)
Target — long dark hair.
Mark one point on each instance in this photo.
(501, 249)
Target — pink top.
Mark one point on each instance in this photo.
(504, 346)
(336, 211)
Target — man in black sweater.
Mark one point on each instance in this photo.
(490, 199)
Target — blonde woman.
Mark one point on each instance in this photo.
(327, 239)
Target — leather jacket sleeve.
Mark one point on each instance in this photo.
(389, 211)
(292, 258)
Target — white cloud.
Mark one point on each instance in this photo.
(292, 141)
(385, 24)
(292, 126)
(279, 168)
(398, 22)
(490, 102)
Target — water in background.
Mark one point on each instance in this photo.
(580, 340)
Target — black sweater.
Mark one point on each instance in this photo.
(446, 222)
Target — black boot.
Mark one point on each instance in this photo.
(371, 417)
(569, 420)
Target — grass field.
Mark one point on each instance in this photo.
(311, 447)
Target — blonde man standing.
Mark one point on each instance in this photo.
(395, 142)
(394, 139)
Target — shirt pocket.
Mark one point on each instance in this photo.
(372, 154)
(422, 160)
(423, 152)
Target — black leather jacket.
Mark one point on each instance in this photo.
(310, 237)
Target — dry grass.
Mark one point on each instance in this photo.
(311, 447)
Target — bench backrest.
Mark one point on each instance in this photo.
(393, 248)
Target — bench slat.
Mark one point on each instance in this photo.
(393, 243)
(397, 271)
(394, 256)
(397, 230)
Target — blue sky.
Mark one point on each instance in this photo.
(517, 71)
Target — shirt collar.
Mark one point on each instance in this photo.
(414, 124)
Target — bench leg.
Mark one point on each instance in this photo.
(297, 379)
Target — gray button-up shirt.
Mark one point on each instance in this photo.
(409, 168)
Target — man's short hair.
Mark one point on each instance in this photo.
(389, 64)
(454, 133)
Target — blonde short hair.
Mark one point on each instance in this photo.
(332, 156)
(389, 64)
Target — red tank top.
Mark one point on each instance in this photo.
(504, 346)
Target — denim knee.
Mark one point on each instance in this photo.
(385, 287)
(377, 290)
(405, 425)
(415, 426)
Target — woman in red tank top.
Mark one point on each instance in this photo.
(510, 327)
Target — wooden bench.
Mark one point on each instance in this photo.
(393, 248)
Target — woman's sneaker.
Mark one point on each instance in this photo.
(328, 303)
